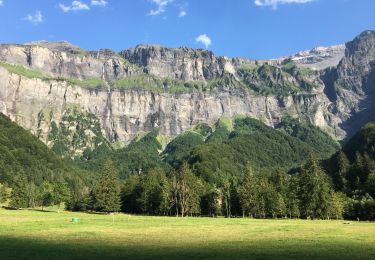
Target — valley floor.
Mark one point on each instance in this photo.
(27, 234)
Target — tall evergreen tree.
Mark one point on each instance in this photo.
(315, 190)
(155, 193)
(340, 177)
(19, 196)
(130, 194)
(292, 199)
(107, 189)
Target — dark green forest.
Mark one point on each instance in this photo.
(237, 167)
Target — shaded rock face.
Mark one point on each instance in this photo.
(355, 83)
(341, 102)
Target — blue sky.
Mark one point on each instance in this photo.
(244, 28)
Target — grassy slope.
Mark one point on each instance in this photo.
(38, 235)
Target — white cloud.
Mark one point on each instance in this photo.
(102, 3)
(35, 18)
(204, 39)
(182, 14)
(275, 3)
(1, 3)
(161, 6)
(75, 6)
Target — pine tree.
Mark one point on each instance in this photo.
(107, 190)
(292, 198)
(19, 197)
(315, 190)
(340, 177)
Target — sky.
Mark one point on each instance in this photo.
(260, 29)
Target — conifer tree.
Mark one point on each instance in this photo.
(292, 198)
(340, 178)
(19, 197)
(107, 189)
(315, 190)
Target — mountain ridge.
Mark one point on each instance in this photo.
(142, 88)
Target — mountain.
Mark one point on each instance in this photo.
(83, 99)
(320, 57)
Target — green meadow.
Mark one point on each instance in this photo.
(31, 234)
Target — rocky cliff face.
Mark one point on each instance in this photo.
(35, 104)
(354, 83)
(183, 63)
(68, 64)
(336, 99)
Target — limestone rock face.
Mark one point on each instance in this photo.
(65, 64)
(183, 63)
(341, 101)
(34, 104)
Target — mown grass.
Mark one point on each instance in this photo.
(50, 235)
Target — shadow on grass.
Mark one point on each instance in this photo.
(21, 248)
(29, 209)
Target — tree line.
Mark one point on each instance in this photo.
(309, 194)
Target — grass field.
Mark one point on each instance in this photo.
(30, 234)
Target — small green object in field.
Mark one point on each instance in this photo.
(76, 220)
